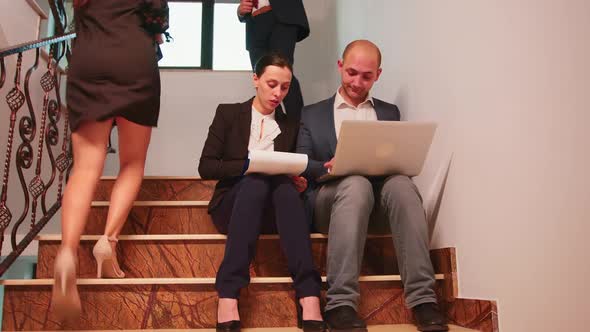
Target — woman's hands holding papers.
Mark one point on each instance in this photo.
(300, 183)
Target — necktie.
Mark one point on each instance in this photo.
(255, 3)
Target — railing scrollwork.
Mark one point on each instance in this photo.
(43, 133)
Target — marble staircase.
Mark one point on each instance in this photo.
(170, 253)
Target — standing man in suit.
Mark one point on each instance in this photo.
(276, 25)
(344, 209)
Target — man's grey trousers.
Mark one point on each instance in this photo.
(343, 210)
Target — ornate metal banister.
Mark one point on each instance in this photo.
(38, 139)
(36, 44)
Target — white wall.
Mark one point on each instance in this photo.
(316, 56)
(190, 97)
(507, 83)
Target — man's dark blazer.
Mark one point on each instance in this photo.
(289, 12)
(317, 139)
(226, 148)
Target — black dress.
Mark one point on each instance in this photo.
(113, 69)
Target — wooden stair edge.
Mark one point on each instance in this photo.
(370, 328)
(186, 237)
(159, 177)
(156, 203)
(186, 281)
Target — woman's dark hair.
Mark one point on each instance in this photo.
(272, 59)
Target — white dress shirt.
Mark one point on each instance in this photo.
(345, 111)
(263, 131)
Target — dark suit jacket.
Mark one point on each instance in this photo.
(289, 12)
(226, 148)
(317, 139)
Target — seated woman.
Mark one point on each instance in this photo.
(243, 206)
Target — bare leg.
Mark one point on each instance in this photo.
(311, 308)
(133, 145)
(89, 147)
(227, 310)
(89, 144)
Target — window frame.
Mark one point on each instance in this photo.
(207, 25)
(206, 35)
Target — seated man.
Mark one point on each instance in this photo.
(342, 208)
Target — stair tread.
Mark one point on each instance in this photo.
(174, 237)
(155, 203)
(184, 281)
(371, 328)
(157, 177)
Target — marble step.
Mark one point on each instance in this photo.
(182, 303)
(192, 256)
(191, 304)
(163, 188)
(371, 328)
(156, 217)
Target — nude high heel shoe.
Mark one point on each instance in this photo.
(106, 259)
(65, 300)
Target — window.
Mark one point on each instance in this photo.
(186, 29)
(207, 34)
(229, 39)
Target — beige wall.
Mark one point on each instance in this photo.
(19, 21)
(507, 82)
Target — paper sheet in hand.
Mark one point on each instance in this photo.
(275, 163)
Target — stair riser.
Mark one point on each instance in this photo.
(156, 220)
(183, 307)
(163, 190)
(201, 259)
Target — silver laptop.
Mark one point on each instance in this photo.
(377, 148)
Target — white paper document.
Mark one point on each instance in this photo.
(275, 163)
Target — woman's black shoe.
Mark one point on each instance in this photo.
(308, 325)
(231, 326)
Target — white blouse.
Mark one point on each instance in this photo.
(263, 131)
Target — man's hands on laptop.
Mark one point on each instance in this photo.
(329, 165)
(300, 183)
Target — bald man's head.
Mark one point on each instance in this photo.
(359, 69)
(365, 46)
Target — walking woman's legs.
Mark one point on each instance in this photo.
(89, 144)
(134, 140)
(133, 145)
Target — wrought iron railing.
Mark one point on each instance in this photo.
(38, 138)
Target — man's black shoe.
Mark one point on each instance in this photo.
(429, 318)
(344, 318)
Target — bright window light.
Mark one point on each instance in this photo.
(185, 28)
(229, 41)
